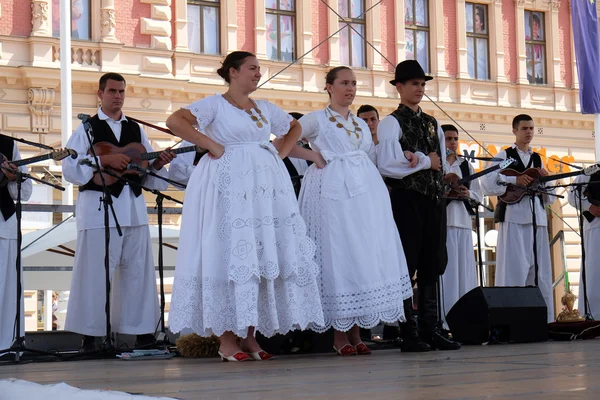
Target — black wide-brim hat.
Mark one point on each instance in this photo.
(409, 69)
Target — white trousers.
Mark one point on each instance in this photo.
(8, 293)
(134, 298)
(592, 274)
(515, 264)
(461, 272)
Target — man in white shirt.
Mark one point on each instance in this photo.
(8, 244)
(461, 272)
(409, 155)
(134, 299)
(590, 206)
(515, 264)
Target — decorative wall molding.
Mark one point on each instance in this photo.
(158, 26)
(40, 18)
(40, 102)
(108, 22)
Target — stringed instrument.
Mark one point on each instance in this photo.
(56, 155)
(138, 154)
(453, 182)
(514, 193)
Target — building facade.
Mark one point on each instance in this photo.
(491, 59)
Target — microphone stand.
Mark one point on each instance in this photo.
(106, 200)
(18, 345)
(159, 205)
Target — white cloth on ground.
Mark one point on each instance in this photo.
(363, 272)
(244, 258)
(134, 298)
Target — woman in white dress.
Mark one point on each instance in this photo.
(363, 272)
(244, 261)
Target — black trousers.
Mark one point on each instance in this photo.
(421, 222)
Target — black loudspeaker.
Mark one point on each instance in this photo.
(499, 314)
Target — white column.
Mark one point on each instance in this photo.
(260, 29)
(47, 310)
(66, 109)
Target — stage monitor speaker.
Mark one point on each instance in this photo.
(499, 314)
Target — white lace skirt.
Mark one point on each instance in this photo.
(244, 258)
(363, 275)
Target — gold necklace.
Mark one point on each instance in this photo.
(249, 112)
(338, 124)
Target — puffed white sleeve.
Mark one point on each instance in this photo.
(205, 111)
(72, 168)
(494, 183)
(150, 181)
(310, 126)
(475, 189)
(280, 120)
(574, 194)
(391, 161)
(182, 166)
(26, 186)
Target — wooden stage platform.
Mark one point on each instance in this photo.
(552, 370)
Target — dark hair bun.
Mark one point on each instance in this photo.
(221, 72)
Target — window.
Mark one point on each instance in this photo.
(80, 19)
(203, 26)
(281, 21)
(477, 41)
(535, 47)
(416, 23)
(352, 44)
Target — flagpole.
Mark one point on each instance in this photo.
(66, 109)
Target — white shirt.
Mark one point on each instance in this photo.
(181, 168)
(519, 213)
(130, 210)
(390, 156)
(574, 202)
(456, 213)
(8, 229)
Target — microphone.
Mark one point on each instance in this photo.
(83, 117)
(450, 152)
(135, 167)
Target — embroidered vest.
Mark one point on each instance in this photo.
(419, 133)
(7, 205)
(130, 133)
(535, 161)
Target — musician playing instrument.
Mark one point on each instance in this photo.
(134, 297)
(8, 243)
(515, 259)
(590, 202)
(461, 272)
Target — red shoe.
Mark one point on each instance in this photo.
(239, 356)
(261, 355)
(347, 350)
(362, 349)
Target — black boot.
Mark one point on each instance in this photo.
(88, 344)
(411, 342)
(429, 329)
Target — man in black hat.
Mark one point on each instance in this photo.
(409, 156)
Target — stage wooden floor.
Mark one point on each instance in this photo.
(552, 370)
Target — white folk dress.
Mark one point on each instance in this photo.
(244, 258)
(363, 276)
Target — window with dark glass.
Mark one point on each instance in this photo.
(478, 40)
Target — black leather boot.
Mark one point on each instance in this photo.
(411, 342)
(429, 328)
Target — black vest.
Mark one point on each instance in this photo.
(130, 133)
(593, 193)
(535, 161)
(419, 133)
(7, 205)
(465, 171)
